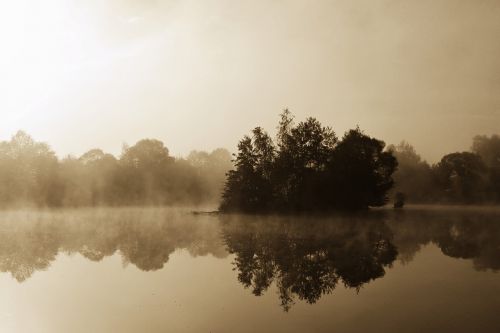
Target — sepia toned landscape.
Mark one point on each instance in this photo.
(249, 166)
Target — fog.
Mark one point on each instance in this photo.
(143, 174)
(249, 166)
(198, 75)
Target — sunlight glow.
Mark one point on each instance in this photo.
(71, 68)
(46, 45)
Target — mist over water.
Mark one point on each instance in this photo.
(170, 269)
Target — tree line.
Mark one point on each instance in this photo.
(471, 177)
(307, 168)
(145, 173)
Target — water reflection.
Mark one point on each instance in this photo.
(30, 241)
(466, 234)
(305, 257)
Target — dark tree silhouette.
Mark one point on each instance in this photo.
(301, 164)
(249, 187)
(308, 170)
(362, 171)
(462, 177)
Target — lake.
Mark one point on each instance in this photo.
(421, 269)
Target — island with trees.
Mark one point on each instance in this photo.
(308, 169)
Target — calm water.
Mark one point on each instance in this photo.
(163, 270)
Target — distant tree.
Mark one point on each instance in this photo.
(413, 176)
(28, 172)
(100, 172)
(462, 177)
(147, 154)
(90, 180)
(489, 150)
(144, 172)
(210, 170)
(221, 158)
(199, 159)
(77, 190)
(32, 175)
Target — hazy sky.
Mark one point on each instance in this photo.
(80, 74)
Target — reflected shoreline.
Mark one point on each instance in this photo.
(306, 257)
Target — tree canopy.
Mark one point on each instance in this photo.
(308, 169)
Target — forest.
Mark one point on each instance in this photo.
(144, 174)
(306, 167)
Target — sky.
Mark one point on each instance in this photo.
(81, 74)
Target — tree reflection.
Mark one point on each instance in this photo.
(307, 258)
(146, 238)
(304, 257)
(23, 253)
(459, 233)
